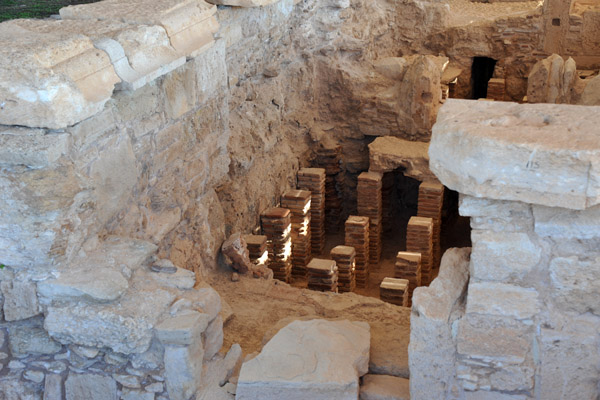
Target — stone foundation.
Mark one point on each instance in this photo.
(528, 179)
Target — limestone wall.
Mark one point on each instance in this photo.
(528, 178)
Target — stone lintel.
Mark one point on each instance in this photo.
(545, 154)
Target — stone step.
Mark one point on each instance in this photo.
(384, 387)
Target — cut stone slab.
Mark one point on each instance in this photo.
(316, 359)
(388, 153)
(90, 387)
(244, 3)
(31, 147)
(384, 387)
(189, 24)
(99, 274)
(542, 154)
(51, 79)
(182, 329)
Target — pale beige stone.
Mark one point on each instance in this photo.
(576, 284)
(518, 152)
(384, 387)
(62, 78)
(561, 223)
(33, 148)
(503, 256)
(432, 347)
(189, 24)
(496, 215)
(183, 329)
(388, 153)
(502, 300)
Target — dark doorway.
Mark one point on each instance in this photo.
(481, 72)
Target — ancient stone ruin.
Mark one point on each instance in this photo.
(300, 199)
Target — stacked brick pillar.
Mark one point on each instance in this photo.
(298, 202)
(313, 180)
(431, 201)
(370, 205)
(419, 239)
(277, 226)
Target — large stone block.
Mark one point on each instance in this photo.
(125, 327)
(384, 387)
(90, 387)
(60, 80)
(518, 152)
(502, 300)
(569, 360)
(33, 148)
(496, 215)
(183, 329)
(432, 348)
(575, 284)
(388, 153)
(183, 370)
(560, 223)
(494, 340)
(20, 300)
(502, 256)
(315, 359)
(189, 24)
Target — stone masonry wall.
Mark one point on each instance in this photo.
(529, 329)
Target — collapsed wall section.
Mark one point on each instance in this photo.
(528, 178)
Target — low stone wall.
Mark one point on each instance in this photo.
(528, 177)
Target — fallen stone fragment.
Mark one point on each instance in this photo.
(231, 362)
(34, 376)
(317, 360)
(90, 387)
(236, 250)
(384, 387)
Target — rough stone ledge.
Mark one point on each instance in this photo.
(544, 154)
(60, 72)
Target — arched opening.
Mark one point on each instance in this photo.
(481, 72)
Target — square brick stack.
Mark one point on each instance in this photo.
(431, 201)
(357, 236)
(419, 239)
(277, 227)
(387, 200)
(344, 259)
(328, 157)
(322, 275)
(257, 247)
(370, 205)
(408, 266)
(313, 180)
(298, 202)
(394, 291)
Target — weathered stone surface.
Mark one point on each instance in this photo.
(551, 80)
(90, 386)
(591, 92)
(30, 338)
(315, 359)
(183, 329)
(236, 249)
(15, 389)
(244, 3)
(164, 266)
(132, 394)
(502, 300)
(420, 96)
(496, 215)
(231, 362)
(576, 284)
(561, 223)
(388, 153)
(213, 338)
(125, 327)
(183, 370)
(99, 274)
(62, 78)
(31, 147)
(384, 387)
(569, 358)
(487, 395)
(432, 349)
(20, 300)
(502, 256)
(181, 279)
(189, 24)
(128, 381)
(53, 389)
(496, 340)
(34, 376)
(519, 152)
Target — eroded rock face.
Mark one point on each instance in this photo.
(316, 359)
